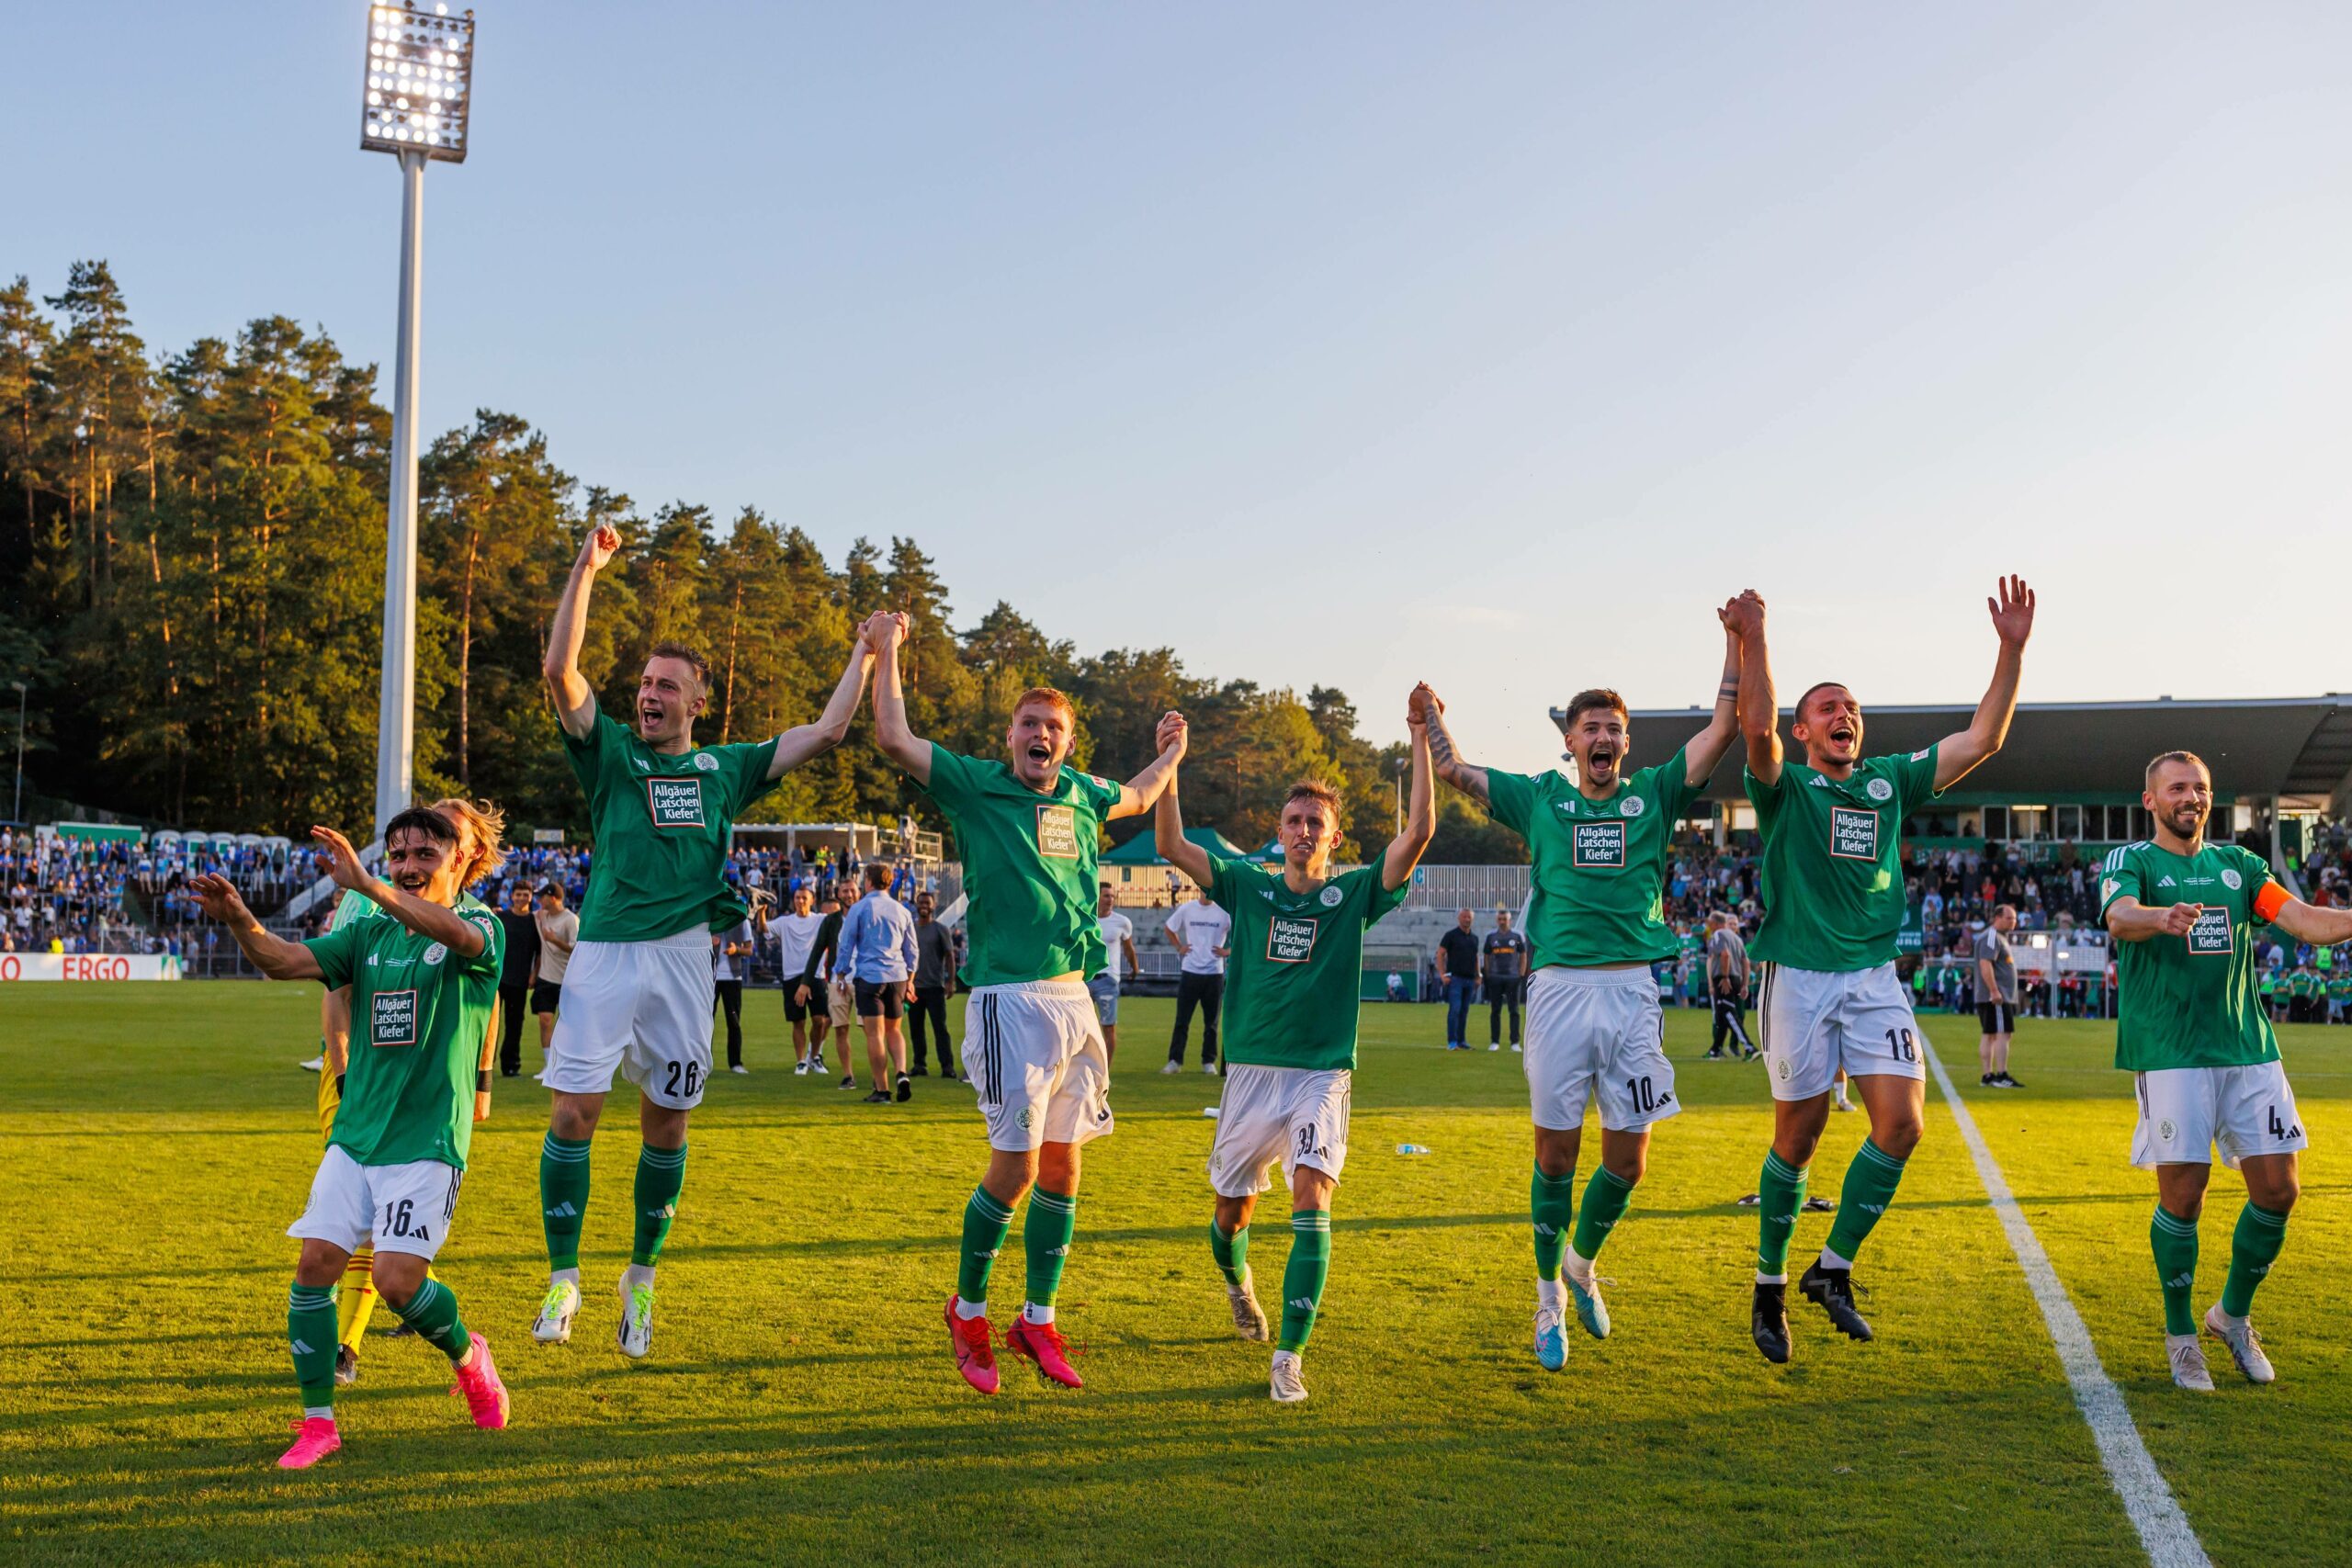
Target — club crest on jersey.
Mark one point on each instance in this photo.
(1057, 832)
(674, 803)
(2232, 880)
(1879, 789)
(1600, 845)
(1635, 805)
(705, 762)
(2211, 936)
(436, 953)
(1290, 941)
(1330, 897)
(1853, 834)
(392, 1017)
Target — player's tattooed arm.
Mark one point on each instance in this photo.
(829, 728)
(575, 702)
(1760, 712)
(884, 632)
(1443, 758)
(1168, 836)
(1141, 792)
(1406, 849)
(273, 955)
(1710, 745)
(1956, 755)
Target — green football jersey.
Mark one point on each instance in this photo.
(2300, 986)
(660, 825)
(1832, 876)
(2188, 1001)
(1292, 985)
(1029, 867)
(419, 1014)
(1599, 870)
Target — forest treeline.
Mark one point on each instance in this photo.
(191, 571)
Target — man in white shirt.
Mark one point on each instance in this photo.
(1199, 929)
(1119, 956)
(794, 933)
(559, 929)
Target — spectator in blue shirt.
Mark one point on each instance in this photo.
(876, 954)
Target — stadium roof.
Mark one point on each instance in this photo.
(2297, 748)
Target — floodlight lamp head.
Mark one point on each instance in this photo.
(417, 79)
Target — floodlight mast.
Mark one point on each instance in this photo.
(415, 104)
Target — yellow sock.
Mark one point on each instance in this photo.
(357, 1304)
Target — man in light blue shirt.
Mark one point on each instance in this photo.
(876, 954)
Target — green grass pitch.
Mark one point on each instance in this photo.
(800, 1404)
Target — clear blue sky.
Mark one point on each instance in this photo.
(1355, 343)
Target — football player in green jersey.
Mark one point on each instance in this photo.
(1292, 992)
(423, 979)
(1028, 827)
(1833, 903)
(1596, 917)
(2189, 1024)
(640, 993)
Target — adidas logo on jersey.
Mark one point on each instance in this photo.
(2163, 882)
(1817, 782)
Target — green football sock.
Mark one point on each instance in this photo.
(1232, 1252)
(432, 1313)
(2173, 1240)
(661, 1175)
(1605, 1197)
(1549, 1200)
(563, 1197)
(1303, 1276)
(310, 1334)
(1870, 1186)
(985, 1224)
(1780, 1194)
(2252, 1249)
(1045, 1235)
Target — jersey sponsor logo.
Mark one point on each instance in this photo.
(2232, 880)
(1853, 833)
(1290, 941)
(392, 1017)
(1921, 755)
(1057, 832)
(1879, 789)
(1598, 845)
(1635, 805)
(2109, 888)
(1330, 897)
(674, 803)
(705, 762)
(2210, 937)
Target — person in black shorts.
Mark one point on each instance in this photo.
(1503, 966)
(1996, 999)
(559, 933)
(517, 969)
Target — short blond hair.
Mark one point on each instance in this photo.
(480, 828)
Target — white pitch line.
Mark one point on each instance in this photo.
(2164, 1532)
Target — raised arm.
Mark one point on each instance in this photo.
(1447, 763)
(2013, 621)
(273, 955)
(802, 741)
(1708, 748)
(1141, 792)
(1168, 836)
(1759, 710)
(882, 632)
(437, 922)
(575, 704)
(1404, 852)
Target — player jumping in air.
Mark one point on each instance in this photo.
(1027, 826)
(1291, 996)
(2190, 1027)
(640, 993)
(422, 983)
(1597, 919)
(1833, 902)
